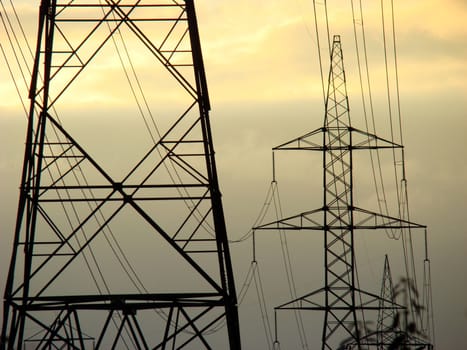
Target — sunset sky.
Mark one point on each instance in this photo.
(264, 82)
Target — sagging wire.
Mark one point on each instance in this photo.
(402, 196)
(261, 215)
(269, 199)
(400, 192)
(380, 196)
(315, 12)
(377, 179)
(401, 184)
(254, 274)
(428, 324)
(275, 199)
(12, 46)
(399, 113)
(288, 269)
(68, 218)
(24, 107)
(172, 173)
(389, 102)
(263, 307)
(407, 241)
(8, 26)
(246, 284)
(121, 259)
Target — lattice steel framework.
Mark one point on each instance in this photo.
(71, 209)
(390, 330)
(386, 317)
(338, 218)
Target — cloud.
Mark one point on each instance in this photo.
(444, 21)
(255, 51)
(268, 52)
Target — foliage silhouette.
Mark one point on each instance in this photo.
(404, 329)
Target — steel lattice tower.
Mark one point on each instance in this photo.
(69, 201)
(386, 329)
(386, 317)
(338, 218)
(391, 333)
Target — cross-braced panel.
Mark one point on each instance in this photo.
(133, 255)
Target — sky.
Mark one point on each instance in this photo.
(264, 82)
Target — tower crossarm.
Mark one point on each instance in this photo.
(363, 220)
(315, 301)
(313, 141)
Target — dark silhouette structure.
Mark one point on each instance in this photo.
(393, 329)
(59, 293)
(386, 317)
(339, 218)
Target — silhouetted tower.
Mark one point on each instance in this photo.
(338, 218)
(70, 283)
(387, 326)
(387, 314)
(392, 329)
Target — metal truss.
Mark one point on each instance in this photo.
(389, 333)
(386, 317)
(69, 201)
(338, 218)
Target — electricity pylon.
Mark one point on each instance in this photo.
(387, 326)
(71, 282)
(386, 317)
(340, 299)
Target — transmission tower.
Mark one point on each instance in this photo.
(340, 299)
(386, 317)
(387, 326)
(392, 329)
(73, 211)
